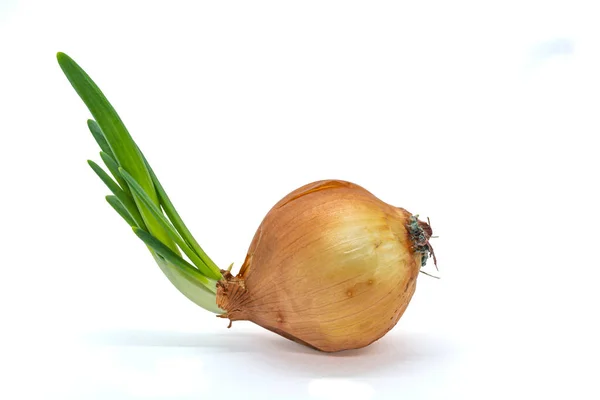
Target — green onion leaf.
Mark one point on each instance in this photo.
(126, 200)
(99, 136)
(173, 215)
(120, 209)
(124, 149)
(113, 167)
(168, 227)
(138, 201)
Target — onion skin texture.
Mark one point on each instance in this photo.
(331, 266)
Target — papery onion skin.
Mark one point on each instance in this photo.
(331, 266)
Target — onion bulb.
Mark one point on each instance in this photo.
(331, 266)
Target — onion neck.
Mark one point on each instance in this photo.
(420, 232)
(231, 295)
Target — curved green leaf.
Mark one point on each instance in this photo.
(126, 199)
(117, 136)
(120, 209)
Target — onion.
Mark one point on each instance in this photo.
(331, 266)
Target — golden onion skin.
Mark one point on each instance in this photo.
(331, 266)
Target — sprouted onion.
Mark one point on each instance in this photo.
(331, 266)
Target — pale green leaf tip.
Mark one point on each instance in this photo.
(62, 57)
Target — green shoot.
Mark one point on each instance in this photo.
(138, 196)
(121, 210)
(173, 215)
(137, 189)
(99, 137)
(124, 149)
(113, 167)
(186, 268)
(125, 198)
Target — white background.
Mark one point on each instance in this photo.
(480, 115)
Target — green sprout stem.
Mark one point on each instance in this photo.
(140, 199)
